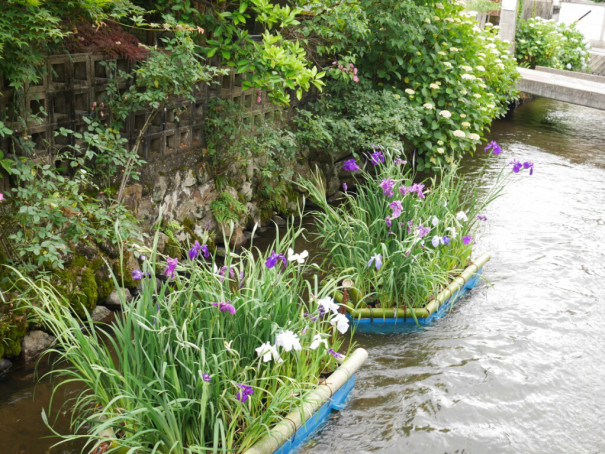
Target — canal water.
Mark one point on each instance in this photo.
(518, 366)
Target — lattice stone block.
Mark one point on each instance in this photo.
(170, 142)
(197, 136)
(59, 68)
(185, 138)
(61, 107)
(81, 71)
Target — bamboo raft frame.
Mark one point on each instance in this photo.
(432, 310)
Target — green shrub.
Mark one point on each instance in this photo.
(227, 208)
(457, 77)
(541, 42)
(352, 117)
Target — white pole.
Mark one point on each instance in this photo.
(508, 22)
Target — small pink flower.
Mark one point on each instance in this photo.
(258, 100)
(355, 79)
(1, 197)
(354, 70)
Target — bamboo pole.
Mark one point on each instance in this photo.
(431, 307)
(285, 429)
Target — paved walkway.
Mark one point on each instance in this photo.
(568, 86)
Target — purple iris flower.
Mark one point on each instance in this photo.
(225, 306)
(312, 317)
(445, 240)
(400, 161)
(387, 186)
(138, 274)
(467, 239)
(410, 227)
(195, 250)
(273, 258)
(397, 209)
(345, 187)
(403, 190)
(377, 157)
(482, 218)
(170, 267)
(246, 391)
(530, 166)
(335, 354)
(388, 222)
(493, 145)
(418, 189)
(206, 377)
(377, 260)
(422, 231)
(205, 251)
(351, 165)
(516, 165)
(242, 276)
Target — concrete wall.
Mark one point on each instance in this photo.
(592, 26)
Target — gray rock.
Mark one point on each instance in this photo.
(279, 220)
(35, 342)
(114, 300)
(5, 366)
(189, 179)
(101, 314)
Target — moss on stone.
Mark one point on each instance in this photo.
(78, 284)
(12, 332)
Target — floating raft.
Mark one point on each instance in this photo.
(296, 428)
(382, 320)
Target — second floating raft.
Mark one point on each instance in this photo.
(382, 320)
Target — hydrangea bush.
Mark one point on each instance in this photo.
(455, 77)
(541, 42)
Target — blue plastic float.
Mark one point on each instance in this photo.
(401, 324)
(337, 402)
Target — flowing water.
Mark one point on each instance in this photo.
(518, 365)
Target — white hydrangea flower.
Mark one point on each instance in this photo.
(474, 136)
(427, 105)
(434, 86)
(445, 114)
(409, 91)
(459, 134)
